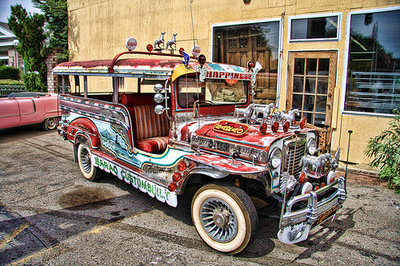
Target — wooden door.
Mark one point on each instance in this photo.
(311, 84)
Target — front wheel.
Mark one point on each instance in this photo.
(50, 123)
(224, 216)
(88, 170)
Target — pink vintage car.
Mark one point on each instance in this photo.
(24, 108)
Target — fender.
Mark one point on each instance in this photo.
(87, 128)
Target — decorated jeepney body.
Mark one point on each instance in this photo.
(200, 129)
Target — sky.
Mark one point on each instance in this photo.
(5, 10)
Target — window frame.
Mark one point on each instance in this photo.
(346, 61)
(324, 15)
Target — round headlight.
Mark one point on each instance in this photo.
(275, 159)
(311, 146)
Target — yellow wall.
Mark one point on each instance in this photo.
(98, 29)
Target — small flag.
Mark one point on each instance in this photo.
(186, 58)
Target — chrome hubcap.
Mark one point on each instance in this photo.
(218, 220)
(85, 160)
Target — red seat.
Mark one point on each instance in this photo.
(150, 130)
(153, 145)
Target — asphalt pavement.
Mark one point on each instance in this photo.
(51, 215)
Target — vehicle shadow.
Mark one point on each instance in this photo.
(321, 237)
(22, 132)
(324, 235)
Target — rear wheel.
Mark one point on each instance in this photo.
(88, 170)
(224, 216)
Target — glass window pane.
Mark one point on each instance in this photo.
(319, 120)
(297, 101)
(374, 70)
(321, 104)
(310, 117)
(314, 28)
(323, 67)
(310, 85)
(311, 66)
(299, 66)
(322, 87)
(298, 84)
(309, 102)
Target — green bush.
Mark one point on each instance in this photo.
(9, 73)
(385, 149)
(33, 83)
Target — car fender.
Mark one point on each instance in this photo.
(83, 128)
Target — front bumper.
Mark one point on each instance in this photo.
(296, 224)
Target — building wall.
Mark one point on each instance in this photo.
(98, 29)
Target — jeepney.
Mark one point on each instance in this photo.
(200, 128)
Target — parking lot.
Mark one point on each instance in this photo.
(49, 214)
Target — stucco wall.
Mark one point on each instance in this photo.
(98, 29)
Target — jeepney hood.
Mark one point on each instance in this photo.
(223, 136)
(229, 130)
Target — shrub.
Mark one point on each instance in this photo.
(33, 82)
(9, 73)
(385, 149)
(10, 82)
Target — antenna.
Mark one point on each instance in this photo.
(191, 15)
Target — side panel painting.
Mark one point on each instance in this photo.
(160, 193)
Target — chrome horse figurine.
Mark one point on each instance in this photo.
(160, 41)
(172, 42)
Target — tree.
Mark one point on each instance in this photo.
(56, 14)
(32, 46)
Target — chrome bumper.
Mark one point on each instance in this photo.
(295, 225)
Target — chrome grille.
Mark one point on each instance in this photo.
(295, 151)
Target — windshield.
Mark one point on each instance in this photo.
(210, 92)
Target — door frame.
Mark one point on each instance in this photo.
(325, 133)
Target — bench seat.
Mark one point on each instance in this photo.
(150, 130)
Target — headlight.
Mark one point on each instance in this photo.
(275, 159)
(311, 146)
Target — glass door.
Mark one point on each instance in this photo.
(311, 83)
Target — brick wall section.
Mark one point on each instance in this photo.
(52, 80)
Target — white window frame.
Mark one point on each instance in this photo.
(324, 15)
(280, 43)
(346, 60)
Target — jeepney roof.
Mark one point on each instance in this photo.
(149, 67)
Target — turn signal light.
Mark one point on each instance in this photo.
(172, 186)
(176, 177)
(263, 128)
(275, 127)
(286, 126)
(182, 166)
